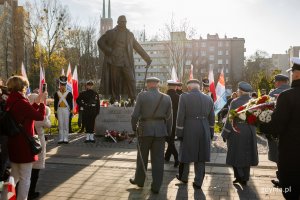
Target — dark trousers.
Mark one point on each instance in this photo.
(70, 124)
(117, 84)
(242, 173)
(33, 180)
(156, 146)
(89, 117)
(171, 150)
(3, 156)
(290, 185)
(80, 119)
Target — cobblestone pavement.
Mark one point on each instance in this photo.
(102, 170)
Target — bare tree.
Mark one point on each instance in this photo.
(179, 44)
(54, 20)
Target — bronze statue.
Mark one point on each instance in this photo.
(118, 74)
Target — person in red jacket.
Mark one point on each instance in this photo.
(24, 113)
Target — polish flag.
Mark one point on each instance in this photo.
(24, 74)
(75, 89)
(69, 79)
(42, 79)
(212, 84)
(221, 93)
(174, 76)
(191, 72)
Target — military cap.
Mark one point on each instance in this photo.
(246, 87)
(152, 79)
(296, 64)
(63, 80)
(205, 82)
(89, 82)
(193, 81)
(179, 83)
(281, 77)
(172, 83)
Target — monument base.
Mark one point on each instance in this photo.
(113, 118)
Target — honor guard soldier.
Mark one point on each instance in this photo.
(171, 150)
(194, 130)
(89, 101)
(63, 106)
(153, 113)
(281, 84)
(205, 88)
(285, 125)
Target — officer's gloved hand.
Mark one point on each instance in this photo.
(180, 138)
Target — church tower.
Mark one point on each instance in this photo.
(106, 23)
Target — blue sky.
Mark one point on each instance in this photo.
(270, 25)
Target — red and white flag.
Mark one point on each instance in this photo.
(69, 79)
(42, 79)
(221, 93)
(212, 84)
(75, 89)
(191, 72)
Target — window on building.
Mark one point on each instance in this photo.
(220, 53)
(227, 52)
(220, 44)
(202, 70)
(211, 57)
(211, 66)
(227, 44)
(227, 62)
(211, 48)
(203, 44)
(227, 79)
(227, 70)
(220, 61)
(203, 53)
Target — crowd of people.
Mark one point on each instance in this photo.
(193, 113)
(157, 119)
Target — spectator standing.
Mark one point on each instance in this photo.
(23, 113)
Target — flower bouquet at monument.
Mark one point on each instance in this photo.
(257, 112)
(115, 136)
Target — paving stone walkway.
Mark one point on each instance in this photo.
(95, 171)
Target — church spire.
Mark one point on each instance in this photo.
(109, 16)
(103, 11)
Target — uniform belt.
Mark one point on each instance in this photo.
(153, 119)
(196, 118)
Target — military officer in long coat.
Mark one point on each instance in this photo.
(281, 83)
(171, 150)
(118, 73)
(285, 124)
(242, 146)
(195, 129)
(153, 113)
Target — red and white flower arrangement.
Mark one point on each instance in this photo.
(256, 112)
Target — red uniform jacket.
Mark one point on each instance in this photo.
(25, 113)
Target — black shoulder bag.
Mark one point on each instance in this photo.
(33, 142)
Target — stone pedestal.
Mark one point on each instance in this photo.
(113, 118)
